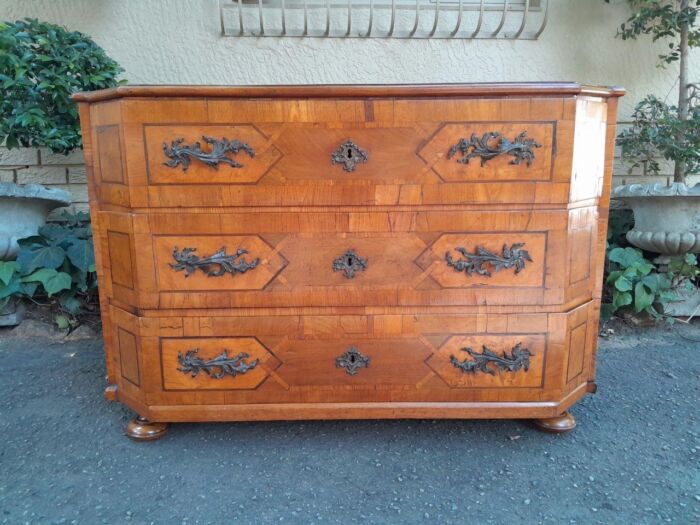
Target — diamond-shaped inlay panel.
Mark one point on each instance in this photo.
(388, 258)
(270, 262)
(391, 155)
(441, 361)
(391, 362)
(251, 169)
(497, 169)
(208, 349)
(532, 275)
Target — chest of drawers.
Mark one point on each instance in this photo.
(349, 252)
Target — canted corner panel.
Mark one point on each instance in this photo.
(502, 248)
(175, 153)
(260, 263)
(580, 247)
(577, 351)
(588, 161)
(513, 164)
(109, 154)
(127, 344)
(120, 260)
(215, 363)
(456, 350)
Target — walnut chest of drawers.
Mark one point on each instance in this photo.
(344, 252)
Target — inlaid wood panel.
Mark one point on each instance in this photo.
(494, 246)
(308, 362)
(501, 167)
(110, 154)
(128, 356)
(168, 250)
(252, 167)
(247, 351)
(457, 349)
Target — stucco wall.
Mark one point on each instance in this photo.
(179, 42)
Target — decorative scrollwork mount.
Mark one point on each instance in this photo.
(352, 360)
(513, 257)
(213, 265)
(492, 144)
(349, 155)
(182, 154)
(349, 263)
(519, 358)
(216, 368)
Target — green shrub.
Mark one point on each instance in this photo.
(57, 265)
(633, 282)
(41, 66)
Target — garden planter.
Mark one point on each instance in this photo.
(666, 218)
(23, 209)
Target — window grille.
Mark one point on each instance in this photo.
(470, 19)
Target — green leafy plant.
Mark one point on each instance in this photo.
(41, 66)
(57, 265)
(633, 282)
(661, 129)
(685, 275)
(619, 223)
(658, 131)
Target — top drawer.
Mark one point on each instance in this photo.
(167, 153)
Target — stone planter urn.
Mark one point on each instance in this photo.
(666, 218)
(667, 222)
(23, 209)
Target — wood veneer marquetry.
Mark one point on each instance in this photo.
(278, 335)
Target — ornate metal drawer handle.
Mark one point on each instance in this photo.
(349, 263)
(492, 144)
(213, 265)
(471, 263)
(352, 360)
(349, 155)
(217, 368)
(181, 154)
(519, 358)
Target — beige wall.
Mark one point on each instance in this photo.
(179, 42)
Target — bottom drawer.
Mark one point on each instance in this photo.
(338, 358)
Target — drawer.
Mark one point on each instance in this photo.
(347, 152)
(289, 154)
(335, 358)
(289, 259)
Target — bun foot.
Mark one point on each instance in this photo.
(557, 425)
(141, 429)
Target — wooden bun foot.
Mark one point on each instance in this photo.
(557, 425)
(141, 429)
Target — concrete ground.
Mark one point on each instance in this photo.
(635, 457)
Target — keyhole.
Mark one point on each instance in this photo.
(349, 261)
(348, 153)
(353, 359)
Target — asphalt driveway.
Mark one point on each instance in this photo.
(635, 457)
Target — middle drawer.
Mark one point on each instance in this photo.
(391, 258)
